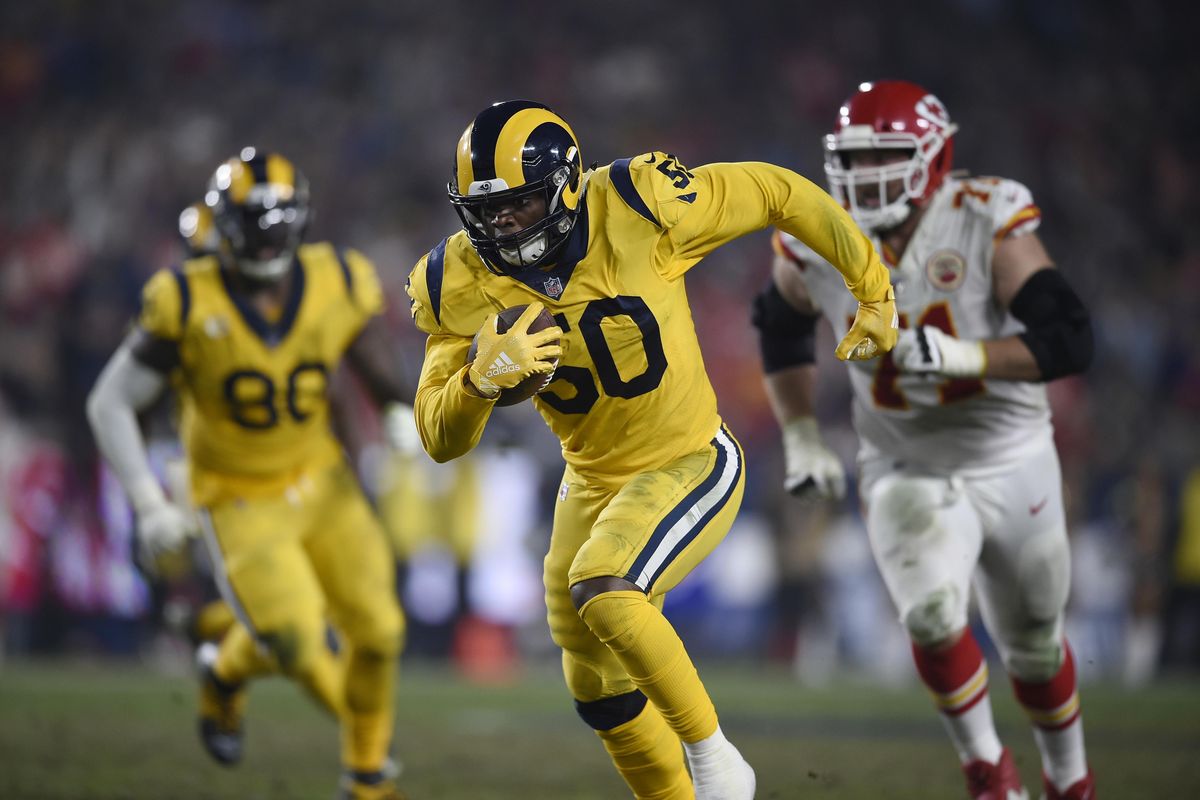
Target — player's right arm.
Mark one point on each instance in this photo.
(455, 396)
(786, 319)
(131, 381)
(449, 414)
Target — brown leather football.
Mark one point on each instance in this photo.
(534, 383)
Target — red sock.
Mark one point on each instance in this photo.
(956, 676)
(1052, 705)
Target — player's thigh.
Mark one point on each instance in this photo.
(578, 506)
(1025, 569)
(661, 524)
(926, 539)
(350, 554)
(261, 566)
(590, 669)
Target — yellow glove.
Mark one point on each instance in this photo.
(503, 360)
(873, 332)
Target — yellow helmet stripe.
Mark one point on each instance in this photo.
(465, 169)
(281, 171)
(511, 142)
(241, 180)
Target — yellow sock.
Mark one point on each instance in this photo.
(367, 724)
(649, 757)
(653, 655)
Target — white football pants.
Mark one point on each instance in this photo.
(934, 534)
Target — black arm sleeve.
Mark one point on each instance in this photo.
(161, 355)
(786, 337)
(1058, 328)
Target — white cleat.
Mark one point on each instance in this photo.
(718, 770)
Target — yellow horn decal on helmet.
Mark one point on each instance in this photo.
(240, 180)
(196, 224)
(282, 173)
(512, 138)
(571, 192)
(464, 170)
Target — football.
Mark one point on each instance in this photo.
(534, 383)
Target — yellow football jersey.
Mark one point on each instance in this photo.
(254, 412)
(630, 392)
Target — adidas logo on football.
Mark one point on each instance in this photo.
(501, 365)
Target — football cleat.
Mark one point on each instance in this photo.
(723, 775)
(999, 781)
(221, 709)
(1082, 789)
(379, 785)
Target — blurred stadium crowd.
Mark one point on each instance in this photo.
(116, 114)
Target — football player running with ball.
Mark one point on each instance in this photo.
(653, 479)
(959, 477)
(249, 337)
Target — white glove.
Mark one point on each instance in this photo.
(928, 350)
(812, 468)
(162, 526)
(400, 428)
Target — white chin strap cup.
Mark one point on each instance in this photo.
(527, 253)
(266, 270)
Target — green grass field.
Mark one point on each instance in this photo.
(122, 732)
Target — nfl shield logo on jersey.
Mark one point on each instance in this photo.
(553, 287)
(946, 270)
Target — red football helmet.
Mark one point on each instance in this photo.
(889, 115)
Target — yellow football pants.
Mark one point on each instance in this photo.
(652, 532)
(287, 565)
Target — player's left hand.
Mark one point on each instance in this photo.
(813, 470)
(873, 332)
(928, 350)
(400, 428)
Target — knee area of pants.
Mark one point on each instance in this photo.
(909, 504)
(1043, 570)
(1037, 658)
(567, 630)
(295, 649)
(936, 617)
(611, 617)
(382, 637)
(584, 681)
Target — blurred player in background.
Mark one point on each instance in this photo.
(959, 475)
(653, 479)
(249, 339)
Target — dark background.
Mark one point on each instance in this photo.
(113, 115)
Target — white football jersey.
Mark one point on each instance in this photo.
(944, 279)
